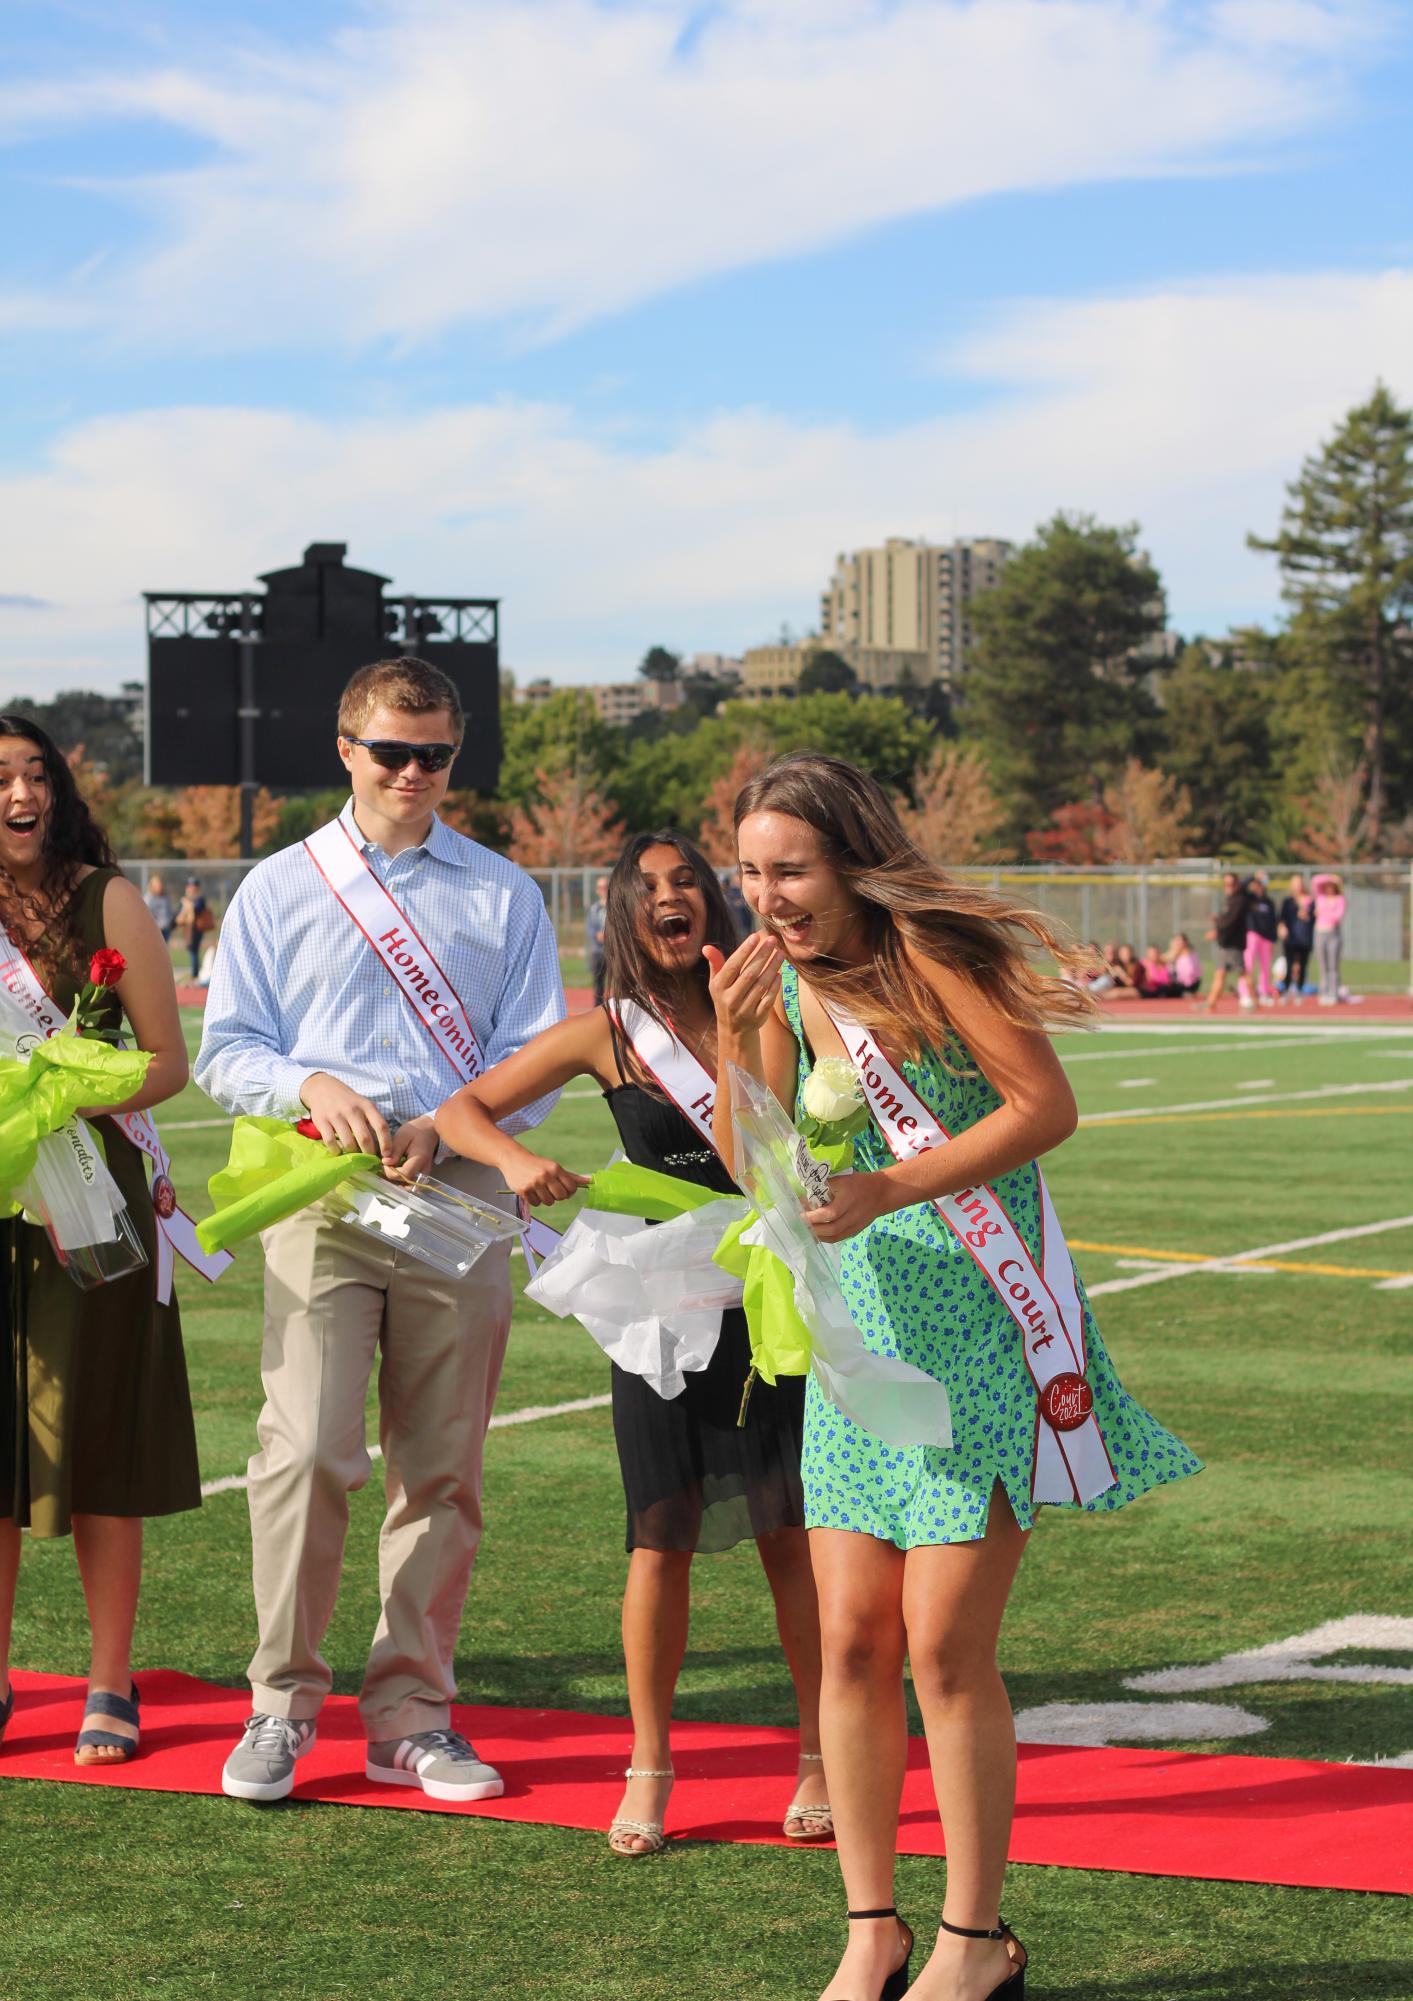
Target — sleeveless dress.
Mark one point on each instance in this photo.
(913, 1291)
(693, 1478)
(95, 1412)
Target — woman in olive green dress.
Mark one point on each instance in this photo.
(95, 1417)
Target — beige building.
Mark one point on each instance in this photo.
(774, 670)
(904, 606)
(618, 702)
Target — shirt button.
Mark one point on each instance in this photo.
(387, 1042)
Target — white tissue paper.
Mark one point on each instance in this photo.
(648, 1294)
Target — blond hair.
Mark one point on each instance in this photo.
(911, 907)
(406, 684)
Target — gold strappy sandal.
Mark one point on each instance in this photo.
(649, 1832)
(818, 1820)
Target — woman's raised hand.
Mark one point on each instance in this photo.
(542, 1181)
(745, 987)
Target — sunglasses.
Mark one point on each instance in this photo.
(394, 756)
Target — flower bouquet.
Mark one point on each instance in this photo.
(276, 1169)
(832, 1111)
(52, 1167)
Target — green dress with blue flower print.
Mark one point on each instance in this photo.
(913, 1291)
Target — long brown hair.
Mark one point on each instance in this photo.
(73, 839)
(630, 972)
(911, 906)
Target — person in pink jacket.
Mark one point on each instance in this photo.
(1329, 935)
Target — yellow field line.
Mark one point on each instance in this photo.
(1254, 1264)
(1098, 1120)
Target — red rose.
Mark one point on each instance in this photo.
(106, 968)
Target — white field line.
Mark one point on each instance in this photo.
(235, 1483)
(1265, 1098)
(1134, 1083)
(1239, 1258)
(1274, 1031)
(1197, 1047)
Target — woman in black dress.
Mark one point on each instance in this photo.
(694, 1479)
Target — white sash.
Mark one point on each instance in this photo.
(35, 1016)
(398, 946)
(686, 1080)
(1071, 1462)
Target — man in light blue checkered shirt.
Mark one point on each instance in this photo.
(304, 1019)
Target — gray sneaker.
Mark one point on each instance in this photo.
(261, 1767)
(441, 1762)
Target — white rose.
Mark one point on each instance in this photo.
(832, 1092)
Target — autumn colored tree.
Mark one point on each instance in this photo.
(1151, 816)
(1337, 822)
(208, 819)
(957, 815)
(718, 830)
(1078, 835)
(567, 824)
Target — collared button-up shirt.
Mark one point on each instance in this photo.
(297, 988)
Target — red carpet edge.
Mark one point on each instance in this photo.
(1149, 1812)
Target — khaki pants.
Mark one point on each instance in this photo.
(333, 1299)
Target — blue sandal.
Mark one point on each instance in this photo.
(101, 1703)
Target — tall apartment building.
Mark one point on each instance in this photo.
(905, 606)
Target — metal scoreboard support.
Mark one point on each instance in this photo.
(243, 686)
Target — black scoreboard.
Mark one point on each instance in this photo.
(243, 687)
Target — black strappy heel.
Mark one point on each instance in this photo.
(896, 1985)
(1012, 1988)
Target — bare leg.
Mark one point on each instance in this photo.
(9, 1577)
(954, 1596)
(656, 1609)
(785, 1558)
(1219, 981)
(864, 1732)
(109, 1551)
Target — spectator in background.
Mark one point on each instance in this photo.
(1260, 938)
(160, 904)
(194, 920)
(1129, 976)
(1157, 976)
(1229, 931)
(594, 918)
(1183, 964)
(1329, 936)
(1297, 930)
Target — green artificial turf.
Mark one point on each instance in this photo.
(1287, 1384)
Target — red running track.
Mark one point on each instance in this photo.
(1152, 1813)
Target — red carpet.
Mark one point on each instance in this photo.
(1156, 1813)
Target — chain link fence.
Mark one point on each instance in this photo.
(1135, 906)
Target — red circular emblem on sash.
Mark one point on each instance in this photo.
(164, 1196)
(1065, 1402)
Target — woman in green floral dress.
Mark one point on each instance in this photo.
(915, 1549)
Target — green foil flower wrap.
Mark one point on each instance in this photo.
(41, 1092)
(272, 1172)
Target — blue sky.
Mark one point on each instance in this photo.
(636, 313)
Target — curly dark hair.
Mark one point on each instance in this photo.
(73, 840)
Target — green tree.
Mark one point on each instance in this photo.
(1345, 550)
(1217, 744)
(537, 737)
(660, 663)
(668, 782)
(826, 673)
(109, 727)
(1058, 692)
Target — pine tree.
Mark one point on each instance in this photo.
(1057, 694)
(1345, 549)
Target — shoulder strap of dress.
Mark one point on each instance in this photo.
(790, 995)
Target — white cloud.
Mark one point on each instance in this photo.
(547, 161)
(1186, 409)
